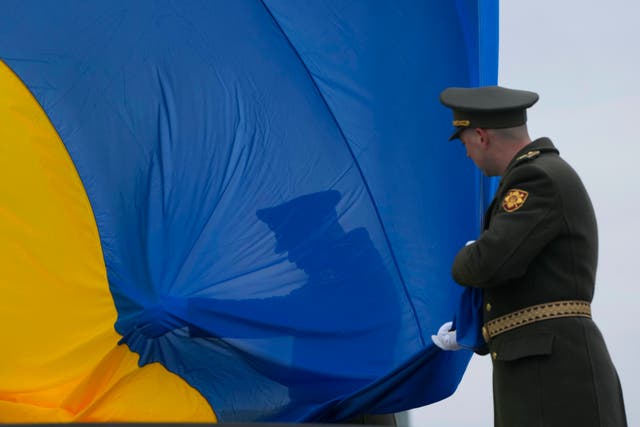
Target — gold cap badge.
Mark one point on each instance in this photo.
(464, 123)
(514, 200)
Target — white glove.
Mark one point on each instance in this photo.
(470, 242)
(446, 338)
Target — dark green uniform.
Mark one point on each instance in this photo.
(539, 245)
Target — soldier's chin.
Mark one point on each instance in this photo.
(489, 173)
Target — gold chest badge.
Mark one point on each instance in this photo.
(514, 200)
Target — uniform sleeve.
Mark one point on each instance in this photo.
(517, 232)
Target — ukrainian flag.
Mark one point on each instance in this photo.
(231, 210)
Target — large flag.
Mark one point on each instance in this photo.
(234, 210)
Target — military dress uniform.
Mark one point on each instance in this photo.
(536, 264)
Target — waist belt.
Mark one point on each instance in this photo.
(535, 313)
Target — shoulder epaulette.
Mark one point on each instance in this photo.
(528, 156)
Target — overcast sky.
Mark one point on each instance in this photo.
(583, 58)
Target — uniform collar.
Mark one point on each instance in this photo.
(531, 151)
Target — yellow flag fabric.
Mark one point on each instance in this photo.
(60, 358)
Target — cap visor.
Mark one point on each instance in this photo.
(456, 134)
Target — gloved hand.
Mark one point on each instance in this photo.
(446, 338)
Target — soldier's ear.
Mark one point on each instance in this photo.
(483, 136)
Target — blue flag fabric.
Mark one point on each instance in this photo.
(277, 205)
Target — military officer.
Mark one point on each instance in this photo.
(535, 263)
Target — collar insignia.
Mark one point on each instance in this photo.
(530, 155)
(514, 200)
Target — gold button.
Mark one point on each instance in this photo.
(485, 334)
(488, 307)
(494, 355)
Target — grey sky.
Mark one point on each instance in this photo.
(583, 58)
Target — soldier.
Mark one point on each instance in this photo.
(535, 264)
